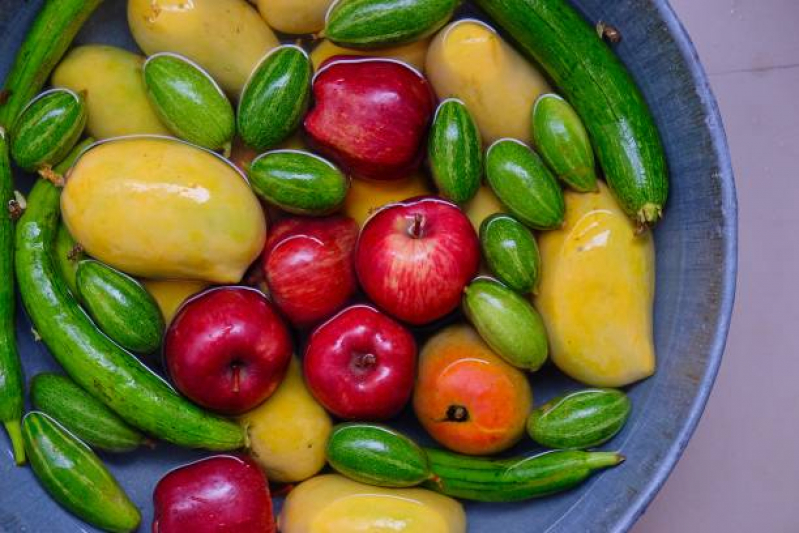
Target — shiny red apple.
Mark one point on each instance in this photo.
(361, 364)
(227, 349)
(371, 115)
(308, 266)
(221, 494)
(415, 257)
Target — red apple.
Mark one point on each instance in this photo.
(308, 266)
(361, 364)
(371, 115)
(227, 349)
(221, 494)
(415, 257)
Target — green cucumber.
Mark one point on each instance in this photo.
(561, 139)
(298, 182)
(94, 361)
(67, 256)
(11, 380)
(275, 98)
(600, 88)
(524, 184)
(380, 23)
(508, 323)
(581, 419)
(455, 152)
(376, 455)
(120, 306)
(188, 101)
(79, 412)
(47, 129)
(510, 251)
(75, 477)
(510, 480)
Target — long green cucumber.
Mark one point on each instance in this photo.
(94, 361)
(600, 88)
(509, 480)
(75, 477)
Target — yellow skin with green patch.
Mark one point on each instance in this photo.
(290, 16)
(597, 291)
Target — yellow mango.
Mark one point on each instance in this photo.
(335, 504)
(484, 204)
(365, 197)
(470, 61)
(414, 53)
(160, 208)
(116, 98)
(597, 291)
(291, 16)
(170, 294)
(288, 432)
(226, 37)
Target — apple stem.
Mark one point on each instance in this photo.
(415, 230)
(236, 378)
(365, 360)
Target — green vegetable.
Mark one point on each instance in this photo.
(298, 182)
(376, 23)
(75, 477)
(582, 419)
(48, 129)
(188, 101)
(120, 306)
(94, 361)
(511, 252)
(561, 139)
(602, 91)
(455, 152)
(377, 455)
(524, 184)
(79, 412)
(67, 257)
(510, 480)
(275, 98)
(508, 323)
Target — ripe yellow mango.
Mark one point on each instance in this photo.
(366, 197)
(291, 16)
(111, 79)
(226, 37)
(470, 61)
(597, 291)
(170, 294)
(288, 432)
(414, 53)
(484, 204)
(160, 208)
(335, 504)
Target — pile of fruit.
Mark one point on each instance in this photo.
(379, 224)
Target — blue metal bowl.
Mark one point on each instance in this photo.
(696, 265)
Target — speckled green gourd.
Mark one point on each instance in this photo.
(121, 306)
(524, 184)
(376, 455)
(581, 419)
(377, 23)
(47, 129)
(299, 182)
(79, 412)
(455, 152)
(75, 477)
(510, 251)
(188, 101)
(508, 323)
(275, 98)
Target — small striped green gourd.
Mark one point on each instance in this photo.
(510, 251)
(455, 152)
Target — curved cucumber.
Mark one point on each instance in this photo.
(455, 152)
(75, 477)
(94, 361)
(121, 307)
(511, 252)
(581, 419)
(600, 88)
(376, 455)
(67, 257)
(79, 412)
(275, 98)
(510, 480)
(188, 101)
